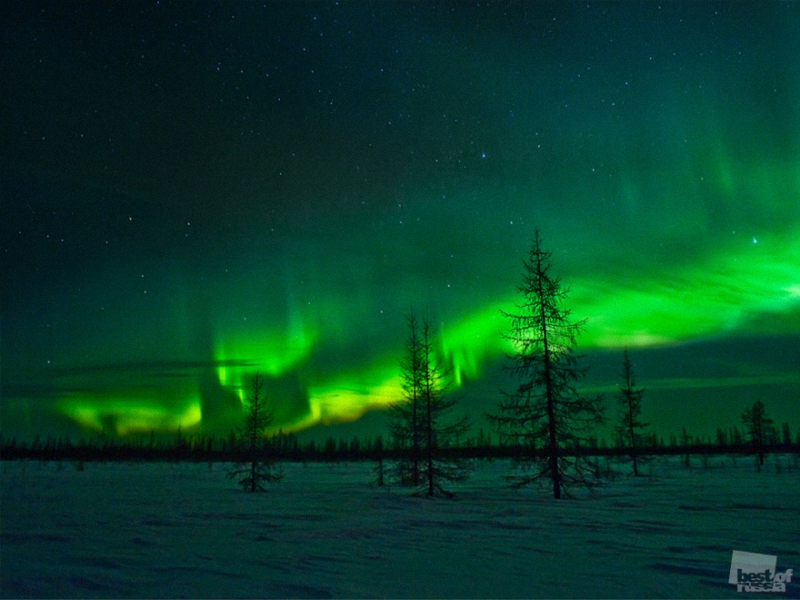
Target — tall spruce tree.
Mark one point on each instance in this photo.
(630, 426)
(545, 416)
(758, 428)
(254, 466)
(405, 416)
(418, 422)
(441, 462)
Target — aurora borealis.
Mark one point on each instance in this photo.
(195, 191)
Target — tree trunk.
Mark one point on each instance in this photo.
(548, 380)
(555, 474)
(415, 462)
(430, 449)
(633, 443)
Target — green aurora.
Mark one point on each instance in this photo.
(252, 190)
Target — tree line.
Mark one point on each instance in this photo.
(287, 448)
(544, 423)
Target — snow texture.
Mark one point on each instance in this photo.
(184, 530)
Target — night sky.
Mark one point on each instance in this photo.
(194, 191)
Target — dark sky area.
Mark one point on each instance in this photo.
(194, 191)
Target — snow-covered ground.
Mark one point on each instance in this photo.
(185, 530)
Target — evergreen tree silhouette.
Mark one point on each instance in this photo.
(418, 421)
(630, 427)
(546, 416)
(758, 428)
(255, 466)
(405, 416)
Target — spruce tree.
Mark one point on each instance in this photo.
(758, 427)
(418, 427)
(630, 427)
(545, 416)
(405, 416)
(441, 463)
(254, 466)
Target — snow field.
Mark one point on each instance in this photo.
(185, 530)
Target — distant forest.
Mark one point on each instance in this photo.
(286, 447)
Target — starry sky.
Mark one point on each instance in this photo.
(192, 192)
